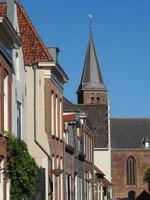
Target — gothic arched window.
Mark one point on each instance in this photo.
(131, 171)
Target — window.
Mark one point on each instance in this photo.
(5, 89)
(19, 120)
(98, 100)
(92, 100)
(56, 115)
(52, 113)
(60, 119)
(1, 179)
(131, 171)
(69, 186)
(76, 187)
(53, 177)
(17, 67)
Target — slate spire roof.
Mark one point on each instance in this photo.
(91, 76)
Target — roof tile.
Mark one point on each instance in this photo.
(34, 49)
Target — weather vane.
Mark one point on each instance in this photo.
(90, 20)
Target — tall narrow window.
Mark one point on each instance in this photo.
(17, 67)
(61, 180)
(5, 89)
(53, 178)
(56, 115)
(1, 180)
(60, 119)
(76, 187)
(69, 187)
(52, 112)
(98, 100)
(92, 100)
(131, 171)
(19, 120)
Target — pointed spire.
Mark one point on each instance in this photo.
(91, 76)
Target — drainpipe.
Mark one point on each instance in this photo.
(35, 135)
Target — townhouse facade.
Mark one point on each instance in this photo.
(9, 41)
(54, 81)
(79, 167)
(103, 187)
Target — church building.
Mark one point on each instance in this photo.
(122, 146)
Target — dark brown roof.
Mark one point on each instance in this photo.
(129, 133)
(34, 49)
(104, 181)
(98, 170)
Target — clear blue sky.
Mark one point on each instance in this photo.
(121, 31)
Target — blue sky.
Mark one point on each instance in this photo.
(121, 31)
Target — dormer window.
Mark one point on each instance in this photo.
(147, 145)
(146, 142)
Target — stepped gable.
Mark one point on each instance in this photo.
(34, 49)
(129, 133)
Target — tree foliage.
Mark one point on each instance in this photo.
(22, 169)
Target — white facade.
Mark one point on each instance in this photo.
(36, 137)
(102, 159)
(19, 81)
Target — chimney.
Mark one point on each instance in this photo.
(54, 51)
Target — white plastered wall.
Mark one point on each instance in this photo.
(40, 157)
(102, 159)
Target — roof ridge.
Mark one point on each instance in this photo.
(24, 13)
(128, 118)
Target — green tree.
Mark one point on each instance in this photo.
(147, 177)
(22, 169)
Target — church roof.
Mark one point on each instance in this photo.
(91, 76)
(34, 49)
(127, 133)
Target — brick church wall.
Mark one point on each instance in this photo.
(119, 170)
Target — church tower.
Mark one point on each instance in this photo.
(92, 96)
(91, 89)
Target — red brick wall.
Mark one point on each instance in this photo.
(5, 67)
(119, 178)
(56, 145)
